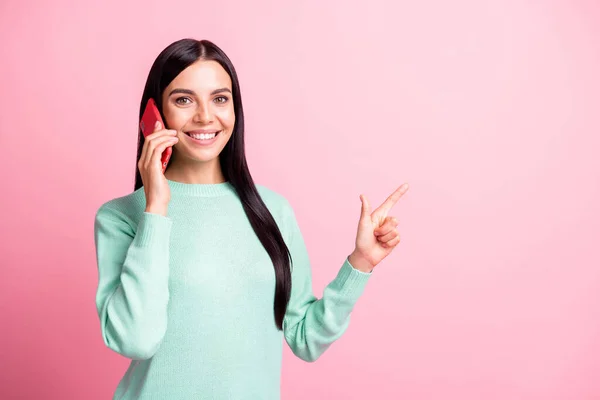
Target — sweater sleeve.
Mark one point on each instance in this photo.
(133, 275)
(311, 325)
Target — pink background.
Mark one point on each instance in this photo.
(489, 109)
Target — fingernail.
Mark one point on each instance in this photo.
(157, 124)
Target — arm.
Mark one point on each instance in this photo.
(311, 325)
(133, 277)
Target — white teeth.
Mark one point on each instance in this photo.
(203, 136)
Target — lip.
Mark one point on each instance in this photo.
(202, 143)
(199, 131)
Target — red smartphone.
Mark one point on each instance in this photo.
(149, 118)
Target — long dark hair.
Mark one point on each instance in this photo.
(169, 63)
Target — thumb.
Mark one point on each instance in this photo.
(365, 211)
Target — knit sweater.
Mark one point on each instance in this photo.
(188, 297)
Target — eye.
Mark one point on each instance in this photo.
(221, 99)
(183, 101)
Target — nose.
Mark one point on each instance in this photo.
(203, 114)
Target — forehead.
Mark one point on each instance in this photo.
(202, 76)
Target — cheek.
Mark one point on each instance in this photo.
(175, 118)
(227, 118)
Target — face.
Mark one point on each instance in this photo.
(199, 105)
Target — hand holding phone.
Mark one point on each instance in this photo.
(155, 155)
(150, 116)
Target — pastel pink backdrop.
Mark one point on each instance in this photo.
(489, 109)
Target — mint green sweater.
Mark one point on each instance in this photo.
(189, 297)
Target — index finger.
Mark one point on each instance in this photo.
(161, 132)
(393, 198)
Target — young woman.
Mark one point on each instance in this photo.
(202, 273)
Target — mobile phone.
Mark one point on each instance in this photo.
(147, 123)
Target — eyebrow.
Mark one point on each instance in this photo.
(192, 93)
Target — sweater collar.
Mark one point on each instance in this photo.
(202, 189)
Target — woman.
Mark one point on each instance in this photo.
(202, 273)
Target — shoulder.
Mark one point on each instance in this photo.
(125, 209)
(270, 196)
(279, 206)
(283, 212)
(275, 201)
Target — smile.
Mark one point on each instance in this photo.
(203, 139)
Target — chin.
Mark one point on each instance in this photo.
(203, 158)
(199, 155)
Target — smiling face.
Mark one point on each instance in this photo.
(198, 104)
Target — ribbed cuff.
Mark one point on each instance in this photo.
(153, 230)
(351, 281)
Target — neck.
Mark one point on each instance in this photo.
(195, 172)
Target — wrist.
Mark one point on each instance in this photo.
(359, 262)
(156, 210)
